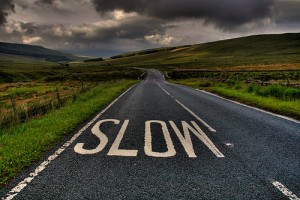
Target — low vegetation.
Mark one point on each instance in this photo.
(25, 143)
(275, 97)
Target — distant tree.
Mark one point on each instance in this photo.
(94, 60)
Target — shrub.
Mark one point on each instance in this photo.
(251, 88)
(277, 91)
(238, 86)
(231, 83)
(205, 84)
(292, 94)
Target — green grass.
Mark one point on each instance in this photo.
(22, 145)
(27, 90)
(275, 98)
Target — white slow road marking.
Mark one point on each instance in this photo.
(16, 190)
(254, 108)
(285, 190)
(148, 141)
(185, 139)
(187, 142)
(115, 151)
(99, 134)
(191, 112)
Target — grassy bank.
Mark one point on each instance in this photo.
(276, 98)
(22, 145)
(20, 102)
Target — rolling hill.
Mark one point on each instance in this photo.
(246, 51)
(37, 52)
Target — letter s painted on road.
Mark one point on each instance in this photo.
(102, 137)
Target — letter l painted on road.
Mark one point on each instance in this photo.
(115, 151)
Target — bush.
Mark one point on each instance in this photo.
(292, 94)
(238, 86)
(231, 83)
(277, 91)
(205, 84)
(251, 88)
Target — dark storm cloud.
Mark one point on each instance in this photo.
(29, 28)
(86, 34)
(6, 6)
(50, 2)
(287, 11)
(224, 13)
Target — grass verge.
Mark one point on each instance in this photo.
(257, 96)
(25, 143)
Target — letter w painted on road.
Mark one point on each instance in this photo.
(186, 140)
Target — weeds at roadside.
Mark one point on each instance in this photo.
(276, 98)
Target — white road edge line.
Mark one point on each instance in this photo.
(254, 108)
(285, 190)
(191, 112)
(21, 185)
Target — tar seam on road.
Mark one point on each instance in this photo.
(21, 185)
(191, 112)
(254, 108)
(285, 190)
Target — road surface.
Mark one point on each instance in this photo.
(165, 141)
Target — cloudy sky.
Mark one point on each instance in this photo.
(106, 27)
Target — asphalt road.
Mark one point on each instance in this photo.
(164, 141)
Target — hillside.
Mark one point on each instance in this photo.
(38, 52)
(246, 51)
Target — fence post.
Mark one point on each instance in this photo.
(82, 86)
(74, 97)
(58, 97)
(14, 106)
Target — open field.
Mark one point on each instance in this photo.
(23, 69)
(31, 87)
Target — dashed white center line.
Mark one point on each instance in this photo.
(191, 112)
(164, 90)
(285, 191)
(196, 116)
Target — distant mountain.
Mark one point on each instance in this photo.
(36, 52)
